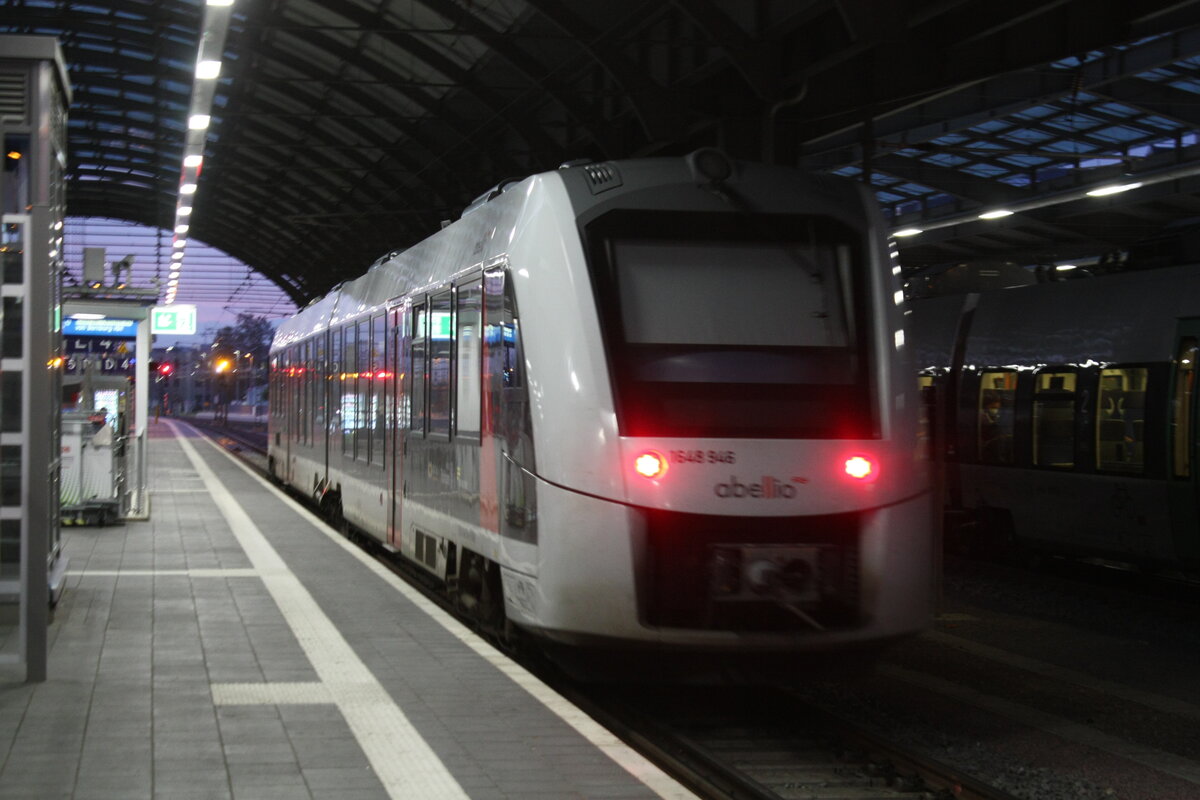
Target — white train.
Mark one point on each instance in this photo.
(660, 404)
(1069, 415)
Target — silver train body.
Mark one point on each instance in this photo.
(619, 405)
(1068, 412)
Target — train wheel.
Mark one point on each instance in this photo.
(480, 592)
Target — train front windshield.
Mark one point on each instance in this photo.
(724, 325)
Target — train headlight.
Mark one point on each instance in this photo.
(650, 464)
(861, 468)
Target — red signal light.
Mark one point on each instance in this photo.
(165, 369)
(861, 468)
(650, 464)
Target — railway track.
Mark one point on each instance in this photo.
(763, 743)
(727, 742)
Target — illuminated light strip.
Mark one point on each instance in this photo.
(214, 27)
(1057, 198)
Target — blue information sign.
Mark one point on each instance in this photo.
(120, 328)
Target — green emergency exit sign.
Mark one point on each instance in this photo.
(177, 319)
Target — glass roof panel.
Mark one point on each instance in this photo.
(1026, 136)
(945, 159)
(1073, 121)
(991, 126)
(1117, 133)
(1016, 179)
(984, 170)
(949, 139)
(1187, 85)
(1021, 160)
(913, 188)
(982, 145)
(1070, 146)
(1114, 109)
(1037, 112)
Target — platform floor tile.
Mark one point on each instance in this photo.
(228, 648)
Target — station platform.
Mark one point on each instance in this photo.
(233, 646)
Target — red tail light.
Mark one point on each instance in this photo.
(650, 464)
(861, 468)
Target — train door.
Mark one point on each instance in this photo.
(399, 415)
(1183, 468)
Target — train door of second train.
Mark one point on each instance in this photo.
(398, 414)
(1183, 467)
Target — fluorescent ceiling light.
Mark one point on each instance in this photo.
(1113, 189)
(177, 255)
(180, 243)
(907, 232)
(193, 160)
(997, 214)
(181, 228)
(183, 211)
(207, 70)
(174, 274)
(198, 122)
(82, 315)
(219, 2)
(187, 188)
(1065, 267)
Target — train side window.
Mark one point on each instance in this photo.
(336, 371)
(419, 369)
(318, 377)
(398, 364)
(441, 347)
(1054, 419)
(1181, 409)
(1121, 420)
(362, 383)
(277, 406)
(349, 390)
(997, 392)
(293, 390)
(469, 359)
(304, 379)
(378, 384)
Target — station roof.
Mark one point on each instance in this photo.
(345, 129)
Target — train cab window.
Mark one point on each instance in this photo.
(735, 325)
(1120, 420)
(997, 391)
(469, 359)
(418, 368)
(1054, 419)
(441, 346)
(1181, 409)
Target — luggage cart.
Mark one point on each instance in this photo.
(91, 469)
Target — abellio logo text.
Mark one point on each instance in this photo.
(767, 488)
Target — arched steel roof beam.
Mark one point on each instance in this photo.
(253, 136)
(756, 61)
(436, 112)
(429, 56)
(658, 112)
(526, 63)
